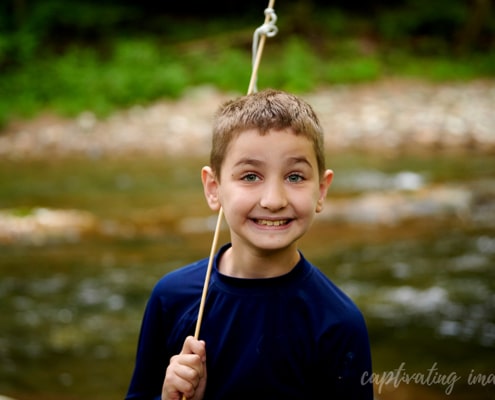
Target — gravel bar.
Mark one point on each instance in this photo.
(388, 115)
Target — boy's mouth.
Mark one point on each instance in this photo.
(270, 222)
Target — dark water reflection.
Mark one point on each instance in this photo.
(72, 305)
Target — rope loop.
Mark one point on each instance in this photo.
(268, 29)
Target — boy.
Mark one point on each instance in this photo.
(274, 326)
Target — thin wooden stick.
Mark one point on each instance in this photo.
(252, 83)
(220, 212)
(208, 273)
(216, 234)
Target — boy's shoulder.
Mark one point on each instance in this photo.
(331, 297)
(324, 285)
(185, 280)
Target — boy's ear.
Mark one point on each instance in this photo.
(210, 187)
(324, 185)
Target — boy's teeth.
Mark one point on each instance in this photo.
(272, 223)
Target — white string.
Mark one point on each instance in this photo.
(268, 29)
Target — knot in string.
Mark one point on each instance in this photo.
(268, 29)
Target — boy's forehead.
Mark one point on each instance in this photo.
(282, 133)
(285, 135)
(273, 141)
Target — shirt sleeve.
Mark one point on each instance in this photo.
(151, 357)
(352, 362)
(350, 383)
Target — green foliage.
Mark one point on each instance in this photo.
(435, 19)
(294, 67)
(100, 57)
(229, 70)
(141, 71)
(80, 80)
(360, 69)
(440, 68)
(40, 28)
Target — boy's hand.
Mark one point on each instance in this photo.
(186, 373)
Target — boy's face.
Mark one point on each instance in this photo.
(270, 189)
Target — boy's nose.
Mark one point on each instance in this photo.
(274, 197)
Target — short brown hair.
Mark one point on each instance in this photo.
(265, 110)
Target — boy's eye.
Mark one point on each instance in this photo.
(294, 178)
(250, 177)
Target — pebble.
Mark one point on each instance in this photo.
(380, 116)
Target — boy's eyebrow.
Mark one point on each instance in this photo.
(299, 160)
(256, 162)
(248, 161)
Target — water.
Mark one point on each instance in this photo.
(423, 275)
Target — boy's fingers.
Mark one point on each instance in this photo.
(188, 381)
(188, 366)
(194, 346)
(183, 375)
(186, 373)
(180, 387)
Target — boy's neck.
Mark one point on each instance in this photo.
(244, 263)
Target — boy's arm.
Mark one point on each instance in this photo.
(355, 367)
(345, 361)
(151, 357)
(353, 382)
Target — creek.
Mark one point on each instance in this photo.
(410, 237)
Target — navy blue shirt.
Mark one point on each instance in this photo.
(296, 336)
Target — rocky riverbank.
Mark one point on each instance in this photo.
(388, 115)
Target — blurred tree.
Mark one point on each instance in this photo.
(19, 10)
(29, 28)
(477, 23)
